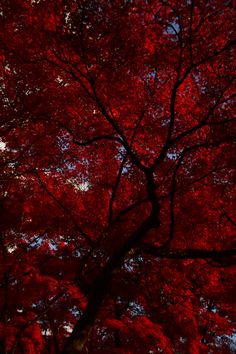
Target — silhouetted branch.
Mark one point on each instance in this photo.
(229, 218)
(188, 253)
(97, 138)
(65, 209)
(29, 323)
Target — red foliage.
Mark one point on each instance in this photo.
(117, 193)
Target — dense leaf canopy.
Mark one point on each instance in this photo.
(117, 189)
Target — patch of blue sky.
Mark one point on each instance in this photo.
(229, 340)
(173, 154)
(70, 165)
(37, 242)
(172, 28)
(63, 141)
(53, 246)
(75, 311)
(150, 75)
(136, 309)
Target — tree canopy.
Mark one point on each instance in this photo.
(117, 190)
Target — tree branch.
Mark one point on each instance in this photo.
(188, 253)
(65, 209)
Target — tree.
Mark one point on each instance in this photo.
(117, 157)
